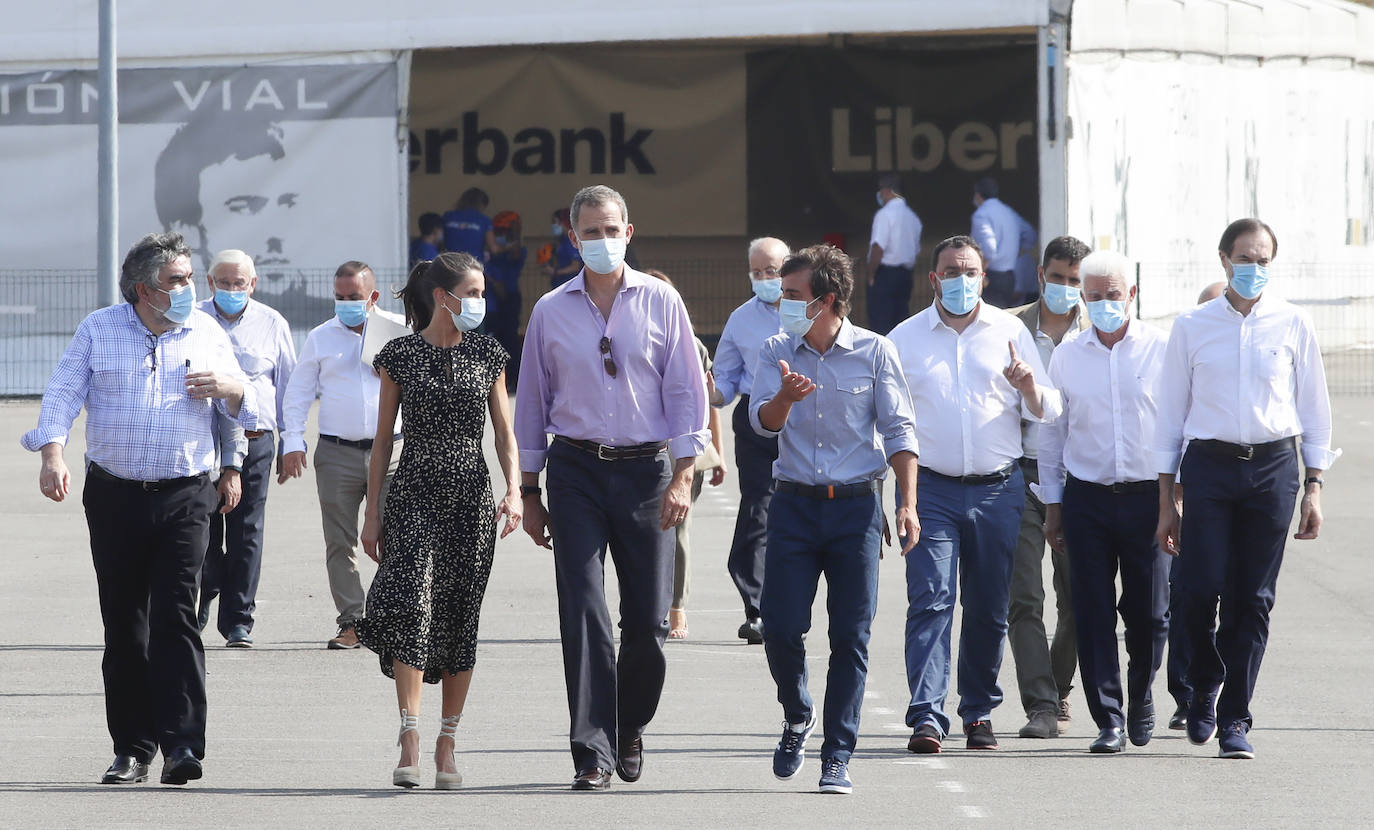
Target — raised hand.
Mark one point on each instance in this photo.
(795, 385)
(1018, 373)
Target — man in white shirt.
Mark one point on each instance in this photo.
(1102, 500)
(1044, 666)
(1004, 236)
(331, 367)
(736, 355)
(972, 371)
(1242, 378)
(892, 250)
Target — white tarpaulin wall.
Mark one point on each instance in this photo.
(1271, 114)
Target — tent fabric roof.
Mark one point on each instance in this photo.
(64, 31)
(1260, 29)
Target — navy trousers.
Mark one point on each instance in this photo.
(808, 538)
(147, 547)
(1235, 524)
(1179, 653)
(968, 531)
(595, 505)
(754, 457)
(1109, 532)
(889, 297)
(233, 558)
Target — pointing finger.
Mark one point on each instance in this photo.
(782, 364)
(1011, 345)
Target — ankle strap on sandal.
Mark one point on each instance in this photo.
(448, 726)
(409, 723)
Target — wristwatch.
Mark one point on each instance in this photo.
(1314, 480)
(530, 490)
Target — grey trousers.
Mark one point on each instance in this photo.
(1044, 669)
(341, 480)
(595, 505)
(682, 578)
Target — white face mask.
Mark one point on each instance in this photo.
(474, 309)
(603, 256)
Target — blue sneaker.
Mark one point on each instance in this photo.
(1233, 742)
(791, 751)
(1202, 717)
(835, 776)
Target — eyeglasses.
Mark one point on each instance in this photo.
(766, 273)
(151, 340)
(606, 360)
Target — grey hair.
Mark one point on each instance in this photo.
(595, 196)
(1104, 264)
(769, 242)
(147, 258)
(232, 256)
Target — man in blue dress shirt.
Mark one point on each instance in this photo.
(151, 374)
(736, 354)
(1003, 236)
(834, 395)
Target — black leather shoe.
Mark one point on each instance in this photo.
(1140, 722)
(126, 769)
(752, 631)
(593, 779)
(1109, 740)
(1179, 720)
(181, 766)
(631, 762)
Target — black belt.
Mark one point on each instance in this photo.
(1151, 486)
(147, 486)
(1243, 452)
(829, 491)
(605, 452)
(993, 478)
(365, 444)
(1028, 462)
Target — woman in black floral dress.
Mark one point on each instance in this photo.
(435, 545)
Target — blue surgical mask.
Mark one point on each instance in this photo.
(959, 295)
(351, 312)
(1108, 315)
(1248, 279)
(792, 316)
(768, 290)
(474, 309)
(556, 229)
(603, 255)
(231, 302)
(183, 302)
(1060, 299)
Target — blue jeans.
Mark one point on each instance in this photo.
(978, 524)
(839, 538)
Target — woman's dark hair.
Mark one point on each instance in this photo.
(445, 272)
(474, 198)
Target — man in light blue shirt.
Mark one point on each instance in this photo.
(1003, 236)
(736, 355)
(264, 349)
(835, 396)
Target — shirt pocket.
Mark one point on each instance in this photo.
(1275, 367)
(856, 397)
(253, 365)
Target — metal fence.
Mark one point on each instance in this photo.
(41, 309)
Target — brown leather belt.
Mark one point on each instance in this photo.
(606, 452)
(254, 433)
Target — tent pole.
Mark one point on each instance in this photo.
(107, 163)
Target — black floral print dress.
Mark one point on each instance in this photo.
(438, 530)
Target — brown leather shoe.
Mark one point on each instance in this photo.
(593, 779)
(631, 762)
(345, 639)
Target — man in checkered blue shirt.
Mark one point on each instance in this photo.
(151, 374)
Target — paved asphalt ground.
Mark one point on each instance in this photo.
(304, 737)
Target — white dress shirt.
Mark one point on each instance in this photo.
(263, 346)
(1246, 379)
(737, 354)
(1030, 316)
(1001, 233)
(331, 367)
(897, 228)
(968, 417)
(1110, 402)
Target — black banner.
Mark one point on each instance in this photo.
(824, 123)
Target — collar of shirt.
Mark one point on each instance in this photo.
(937, 321)
(630, 279)
(844, 339)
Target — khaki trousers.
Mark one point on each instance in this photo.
(341, 480)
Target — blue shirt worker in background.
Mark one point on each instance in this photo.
(567, 259)
(503, 288)
(834, 396)
(1242, 378)
(151, 373)
(266, 354)
(1004, 237)
(972, 371)
(1102, 502)
(425, 247)
(736, 355)
(468, 229)
(892, 249)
